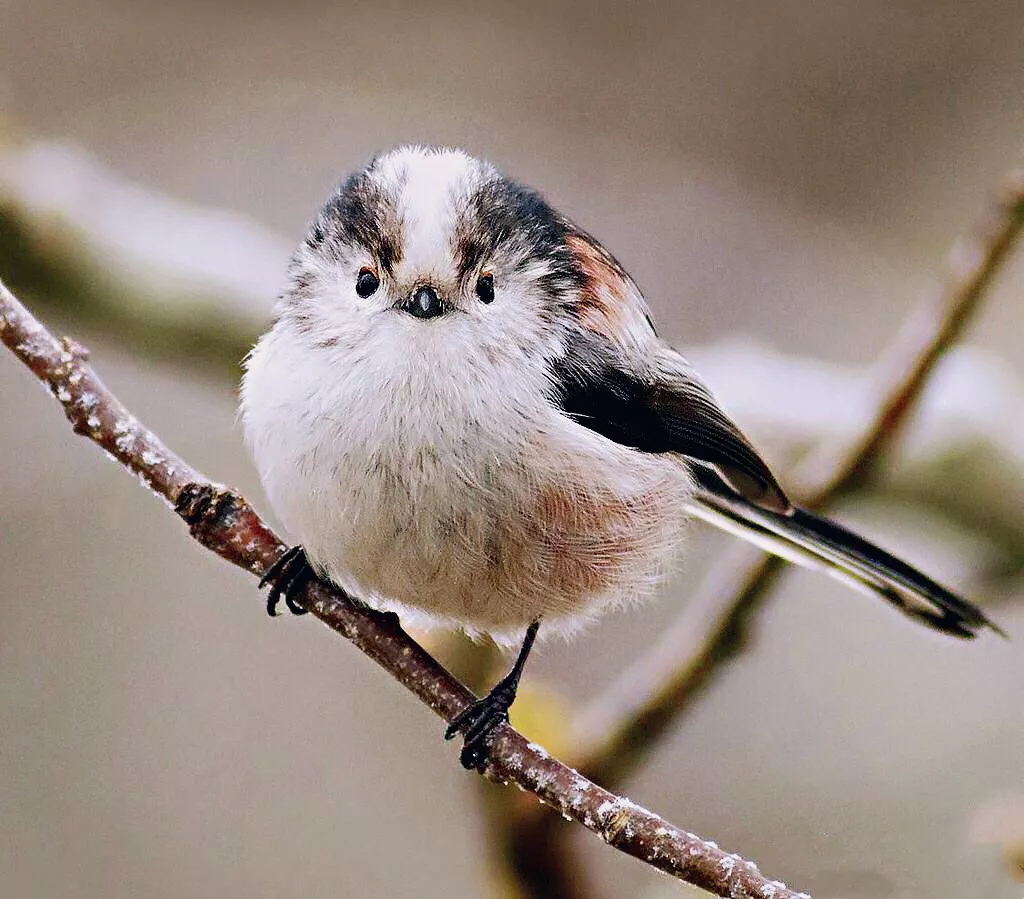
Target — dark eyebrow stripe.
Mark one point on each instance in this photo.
(470, 252)
(501, 210)
(366, 217)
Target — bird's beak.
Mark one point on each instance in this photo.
(424, 302)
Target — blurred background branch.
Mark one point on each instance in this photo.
(77, 237)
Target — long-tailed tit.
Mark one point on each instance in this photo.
(464, 415)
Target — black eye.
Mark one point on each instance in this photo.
(485, 288)
(367, 282)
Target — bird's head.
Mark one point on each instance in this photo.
(432, 240)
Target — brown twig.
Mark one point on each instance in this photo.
(224, 523)
(619, 727)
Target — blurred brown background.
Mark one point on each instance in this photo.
(789, 171)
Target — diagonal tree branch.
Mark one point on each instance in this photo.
(839, 466)
(224, 523)
(619, 727)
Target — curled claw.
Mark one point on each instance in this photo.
(478, 721)
(286, 577)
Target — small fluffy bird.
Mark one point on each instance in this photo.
(465, 416)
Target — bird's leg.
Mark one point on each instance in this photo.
(477, 721)
(287, 576)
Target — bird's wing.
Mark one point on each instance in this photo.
(665, 409)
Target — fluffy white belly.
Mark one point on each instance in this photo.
(485, 514)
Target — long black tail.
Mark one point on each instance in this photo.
(815, 542)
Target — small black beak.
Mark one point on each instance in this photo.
(424, 303)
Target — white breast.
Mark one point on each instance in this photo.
(427, 474)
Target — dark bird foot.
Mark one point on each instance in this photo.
(478, 721)
(286, 577)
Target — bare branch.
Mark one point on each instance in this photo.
(928, 334)
(224, 522)
(619, 727)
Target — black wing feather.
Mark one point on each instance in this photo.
(595, 387)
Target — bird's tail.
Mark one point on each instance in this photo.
(816, 542)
